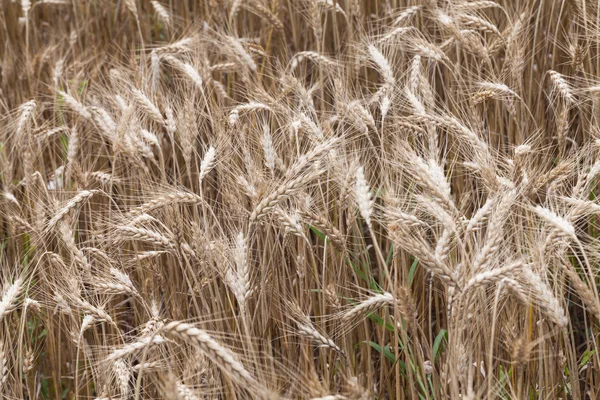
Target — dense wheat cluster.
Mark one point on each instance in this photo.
(299, 199)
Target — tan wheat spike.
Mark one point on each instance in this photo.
(383, 65)
(164, 201)
(234, 115)
(420, 249)
(241, 54)
(324, 226)
(102, 177)
(123, 374)
(238, 277)
(283, 191)
(306, 160)
(478, 23)
(545, 298)
(363, 196)
(208, 163)
(481, 216)
(369, 306)
(98, 312)
(562, 86)
(148, 366)
(178, 47)
(290, 223)
(162, 12)
(135, 347)
(3, 366)
(331, 5)
(121, 284)
(219, 354)
(492, 276)
(104, 121)
(559, 223)
(132, 7)
(147, 106)
(394, 34)
(26, 109)
(494, 232)
(476, 5)
(312, 56)
(223, 67)
(406, 14)
(67, 236)
(185, 393)
(75, 105)
(20, 224)
(10, 297)
(582, 290)
(262, 11)
(72, 204)
(144, 235)
(186, 69)
(306, 329)
(235, 9)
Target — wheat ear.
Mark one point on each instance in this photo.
(10, 297)
(368, 306)
(166, 200)
(135, 347)
(221, 356)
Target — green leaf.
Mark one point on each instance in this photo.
(586, 357)
(386, 351)
(64, 140)
(389, 256)
(441, 336)
(378, 320)
(389, 354)
(318, 232)
(411, 272)
(44, 387)
(82, 85)
(357, 270)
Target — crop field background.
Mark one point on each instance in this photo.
(299, 199)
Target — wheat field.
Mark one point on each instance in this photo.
(299, 199)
